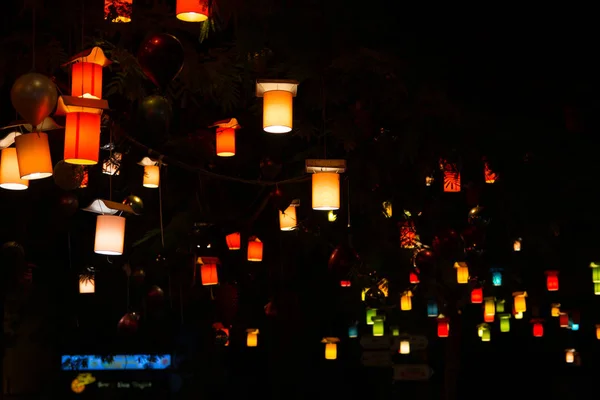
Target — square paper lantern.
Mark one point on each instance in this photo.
(110, 235)
(87, 284)
(462, 272)
(82, 138)
(33, 155)
(233, 241)
(443, 326)
(278, 104)
(552, 281)
(192, 10)
(255, 250)
(252, 337)
(10, 177)
(118, 11)
(520, 303)
(477, 295)
(209, 275)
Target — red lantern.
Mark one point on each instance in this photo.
(489, 175)
(209, 274)
(255, 250)
(413, 278)
(477, 296)
(225, 142)
(408, 235)
(345, 283)
(443, 327)
(82, 138)
(192, 10)
(488, 317)
(552, 281)
(538, 329)
(451, 177)
(563, 320)
(86, 80)
(233, 241)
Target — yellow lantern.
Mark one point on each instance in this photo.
(33, 154)
(519, 315)
(504, 322)
(489, 307)
(151, 176)
(462, 272)
(10, 177)
(330, 347)
(287, 219)
(110, 235)
(371, 314)
(595, 272)
(598, 332)
(555, 310)
(404, 347)
(87, 285)
(517, 245)
(378, 325)
(252, 338)
(406, 301)
(597, 289)
(570, 356)
(278, 107)
(520, 302)
(483, 331)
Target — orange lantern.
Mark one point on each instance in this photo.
(278, 107)
(488, 317)
(520, 302)
(477, 295)
(570, 356)
(225, 142)
(462, 272)
(489, 175)
(598, 332)
(234, 241)
(451, 177)
(408, 235)
(552, 281)
(33, 153)
(287, 219)
(82, 138)
(151, 176)
(209, 275)
(252, 338)
(443, 326)
(86, 73)
(255, 250)
(192, 10)
(330, 347)
(326, 191)
(413, 278)
(10, 177)
(118, 11)
(538, 328)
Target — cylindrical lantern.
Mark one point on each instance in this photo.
(87, 285)
(517, 245)
(597, 288)
(192, 10)
(110, 235)
(255, 250)
(497, 278)
(504, 322)
(432, 309)
(552, 281)
(287, 219)
(598, 332)
(371, 313)
(33, 153)
(489, 306)
(404, 347)
(413, 278)
(520, 302)
(234, 241)
(278, 111)
(209, 274)
(486, 335)
(569, 356)
(488, 318)
(378, 325)
(345, 283)
(352, 331)
(500, 305)
(225, 142)
(86, 80)
(151, 176)
(82, 138)
(10, 177)
(330, 351)
(443, 327)
(595, 271)
(477, 296)
(462, 274)
(555, 310)
(406, 301)
(326, 191)
(252, 338)
(538, 329)
(118, 11)
(563, 320)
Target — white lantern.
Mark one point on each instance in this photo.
(110, 235)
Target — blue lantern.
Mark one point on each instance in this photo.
(432, 309)
(497, 277)
(353, 331)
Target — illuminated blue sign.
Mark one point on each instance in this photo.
(86, 362)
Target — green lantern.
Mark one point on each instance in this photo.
(499, 306)
(371, 312)
(597, 289)
(596, 275)
(504, 322)
(395, 331)
(378, 325)
(486, 335)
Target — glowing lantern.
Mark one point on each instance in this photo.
(234, 241)
(428, 180)
(538, 328)
(287, 219)
(517, 314)
(451, 177)
(563, 320)
(86, 73)
(483, 330)
(33, 154)
(570, 356)
(594, 266)
(378, 325)
(504, 322)
(151, 176)
(112, 165)
(489, 306)
(413, 278)
(443, 326)
(488, 318)
(326, 191)
(462, 272)
(371, 313)
(408, 235)
(496, 277)
(353, 331)
(517, 245)
(404, 347)
(82, 138)
(225, 137)
(395, 331)
(278, 107)
(555, 310)
(598, 332)
(87, 284)
(345, 283)
(255, 250)
(118, 11)
(597, 288)
(432, 309)
(330, 347)
(552, 281)
(406, 301)
(500, 303)
(387, 209)
(10, 177)
(110, 235)
(519, 301)
(208, 273)
(331, 216)
(192, 10)
(489, 175)
(477, 295)
(252, 337)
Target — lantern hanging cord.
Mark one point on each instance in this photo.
(160, 207)
(33, 38)
(171, 161)
(348, 200)
(324, 117)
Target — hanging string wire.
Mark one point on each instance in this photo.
(160, 205)
(324, 116)
(348, 200)
(33, 39)
(110, 161)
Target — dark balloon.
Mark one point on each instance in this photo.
(221, 337)
(139, 275)
(479, 216)
(68, 176)
(474, 238)
(424, 260)
(68, 204)
(155, 114)
(34, 97)
(135, 203)
(374, 297)
(343, 258)
(161, 57)
(448, 244)
(156, 296)
(129, 324)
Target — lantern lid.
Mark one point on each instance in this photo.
(269, 85)
(491, 298)
(95, 55)
(330, 340)
(48, 124)
(208, 260)
(227, 123)
(70, 104)
(595, 264)
(551, 273)
(315, 166)
(252, 330)
(520, 294)
(460, 264)
(100, 206)
(504, 316)
(149, 162)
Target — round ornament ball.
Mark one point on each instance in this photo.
(479, 216)
(135, 203)
(424, 260)
(68, 176)
(221, 337)
(68, 203)
(129, 324)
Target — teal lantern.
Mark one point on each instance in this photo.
(432, 309)
(497, 277)
(353, 331)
